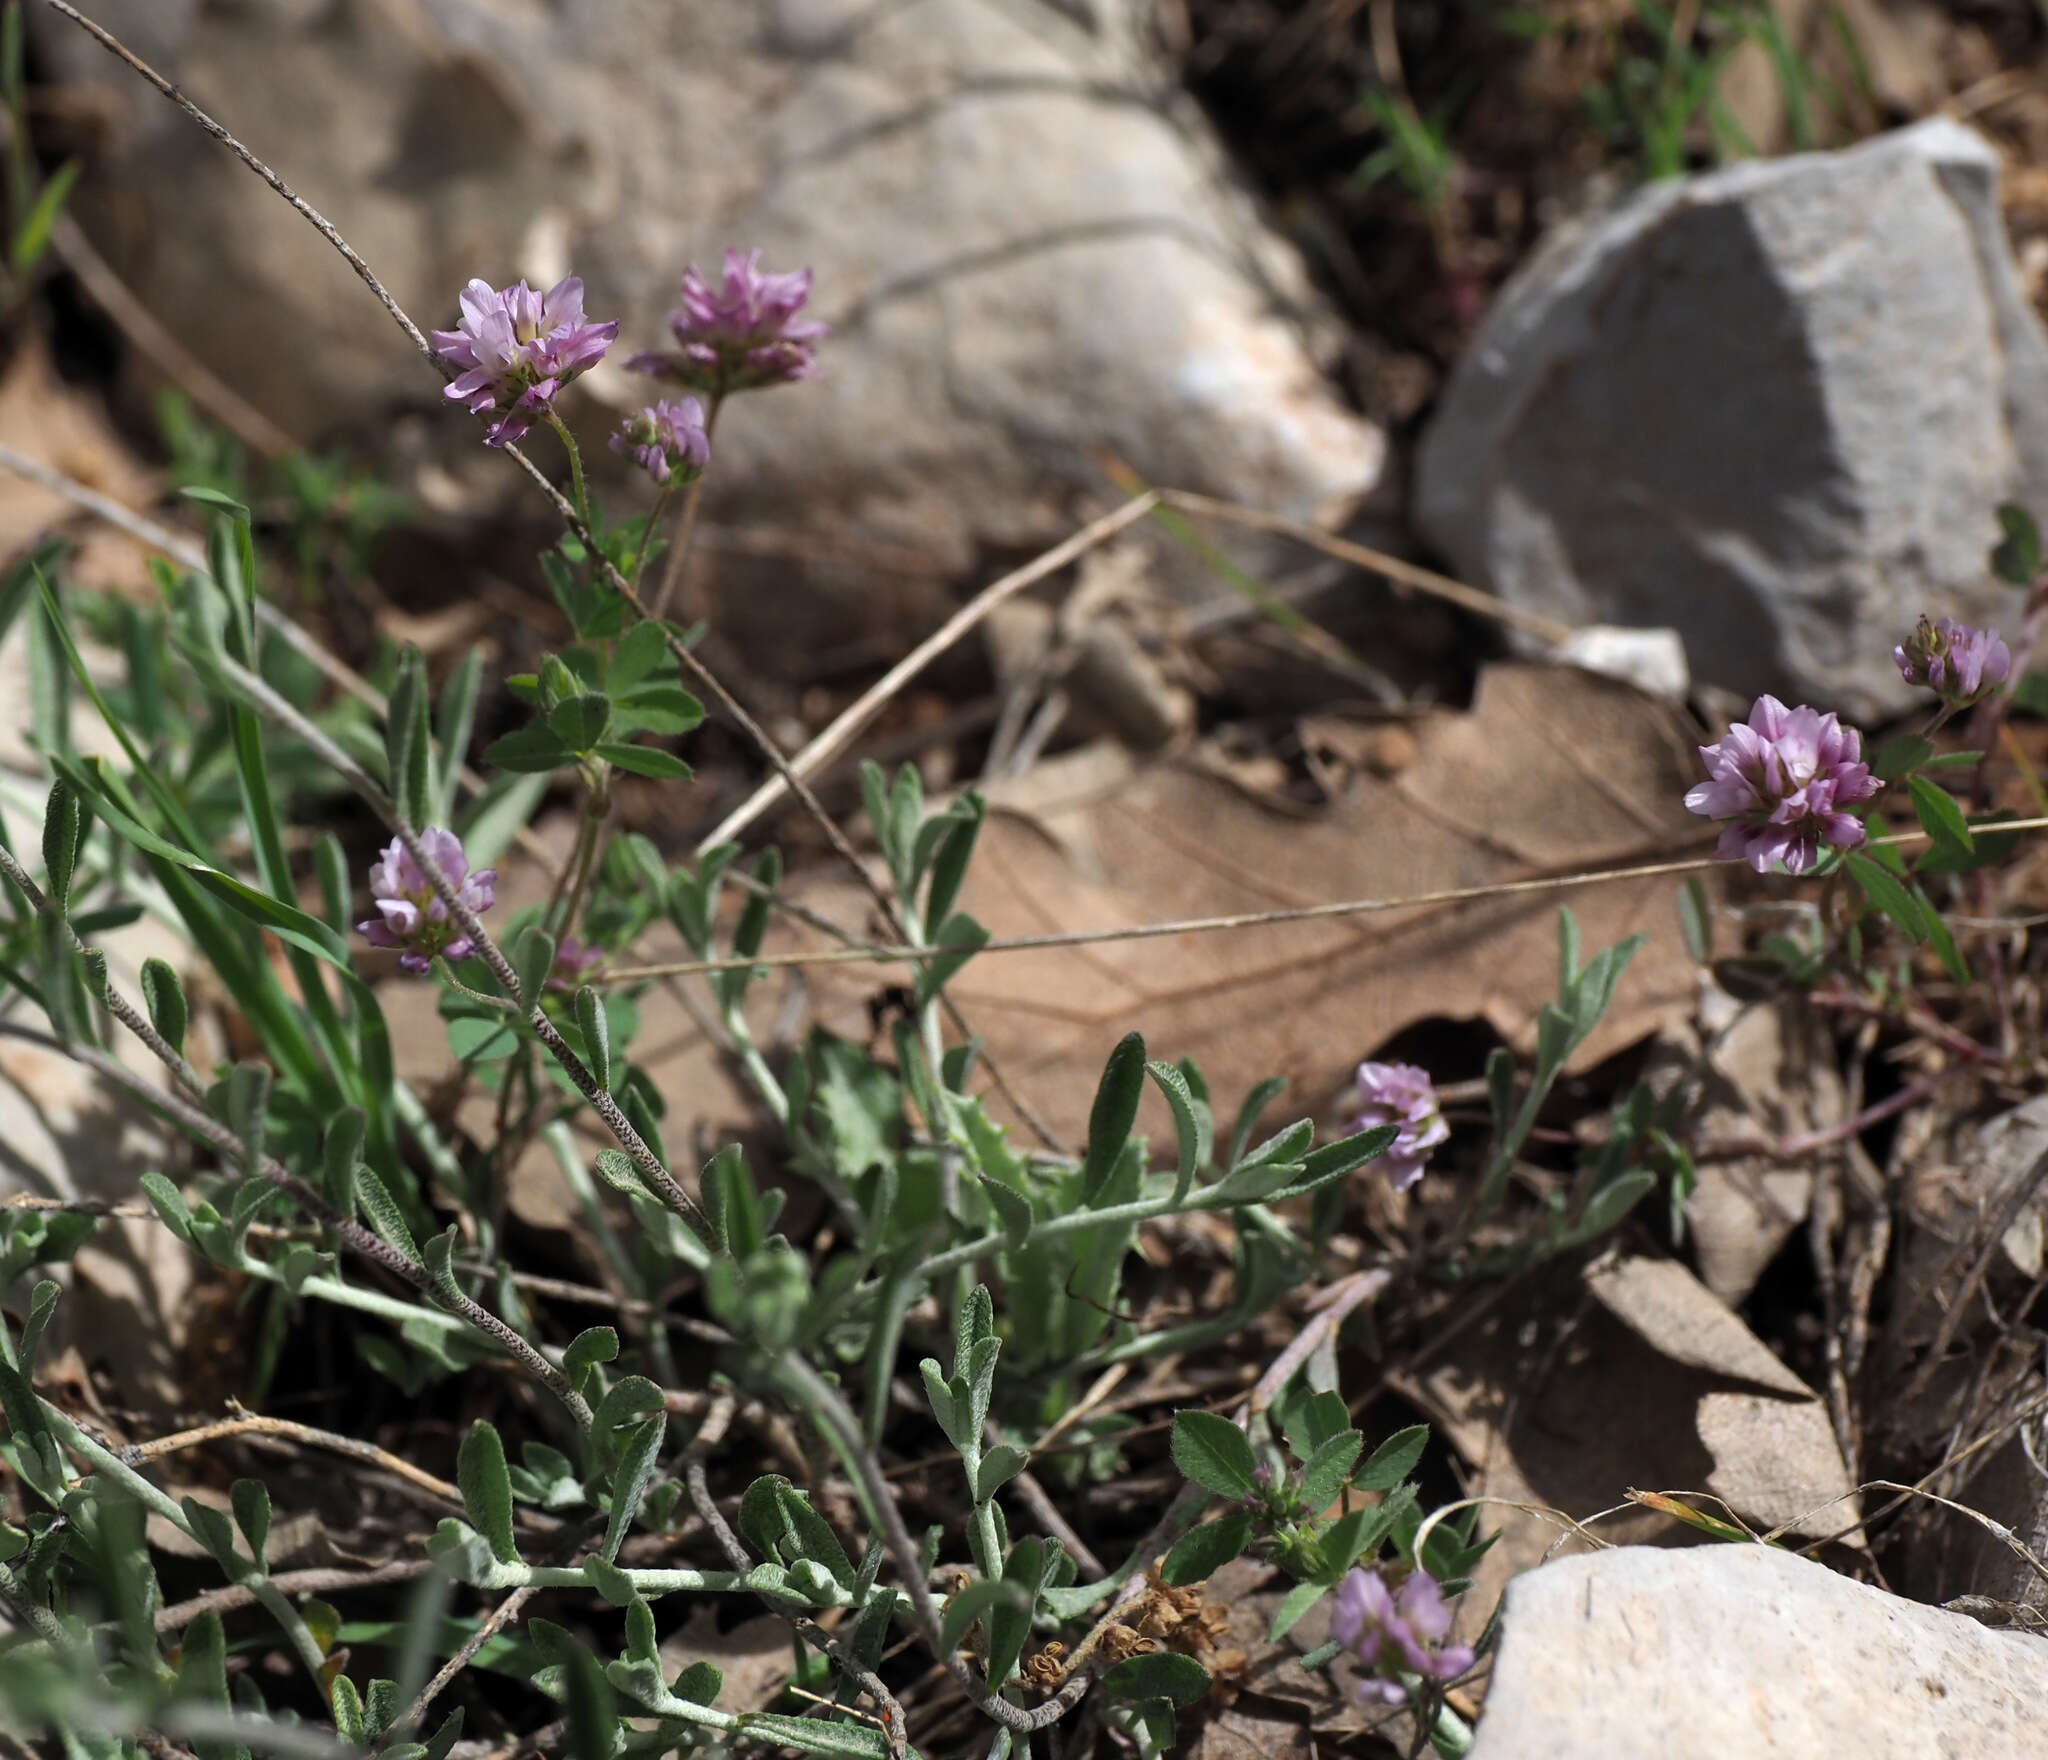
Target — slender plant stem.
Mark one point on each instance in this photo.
(577, 491)
(686, 527)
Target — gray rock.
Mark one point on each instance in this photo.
(1020, 236)
(1774, 407)
(1743, 1653)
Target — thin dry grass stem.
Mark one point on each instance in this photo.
(164, 351)
(2023, 1193)
(1332, 1307)
(851, 721)
(488, 1628)
(245, 1423)
(904, 952)
(1406, 574)
(710, 1433)
(320, 1580)
(1998, 1530)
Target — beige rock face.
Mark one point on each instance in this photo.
(1020, 235)
(1718, 1651)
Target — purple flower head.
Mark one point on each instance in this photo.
(667, 440)
(744, 335)
(1782, 780)
(573, 959)
(1401, 1094)
(1959, 664)
(516, 348)
(1393, 1632)
(411, 914)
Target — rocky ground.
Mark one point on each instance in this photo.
(1705, 346)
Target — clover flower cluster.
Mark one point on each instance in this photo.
(1783, 781)
(1396, 1632)
(1958, 664)
(516, 348)
(741, 337)
(411, 915)
(1401, 1094)
(667, 440)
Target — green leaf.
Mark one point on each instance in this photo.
(1009, 1621)
(487, 1490)
(63, 831)
(1939, 938)
(964, 938)
(282, 920)
(1393, 1460)
(408, 749)
(970, 1604)
(1203, 1551)
(385, 1216)
(533, 957)
(1114, 1112)
(530, 750)
(597, 1041)
(1164, 1674)
(644, 761)
(1296, 1602)
(629, 1486)
(663, 709)
(640, 653)
(1013, 1211)
(1214, 1453)
(579, 721)
(999, 1466)
(1940, 817)
(164, 997)
(32, 236)
(1696, 919)
(251, 1501)
(348, 1711)
(2017, 556)
(1192, 1126)
(1884, 893)
(1328, 1468)
(1334, 1160)
(1900, 757)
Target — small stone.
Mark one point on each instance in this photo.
(1773, 407)
(1720, 1652)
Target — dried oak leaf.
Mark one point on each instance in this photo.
(1551, 771)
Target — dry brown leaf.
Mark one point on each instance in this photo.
(1651, 1384)
(754, 1658)
(68, 430)
(1550, 771)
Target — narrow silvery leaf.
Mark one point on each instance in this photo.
(1114, 1112)
(407, 746)
(533, 957)
(340, 1149)
(164, 997)
(486, 1489)
(1191, 1124)
(999, 1466)
(251, 1500)
(385, 1216)
(629, 1485)
(597, 1043)
(61, 834)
